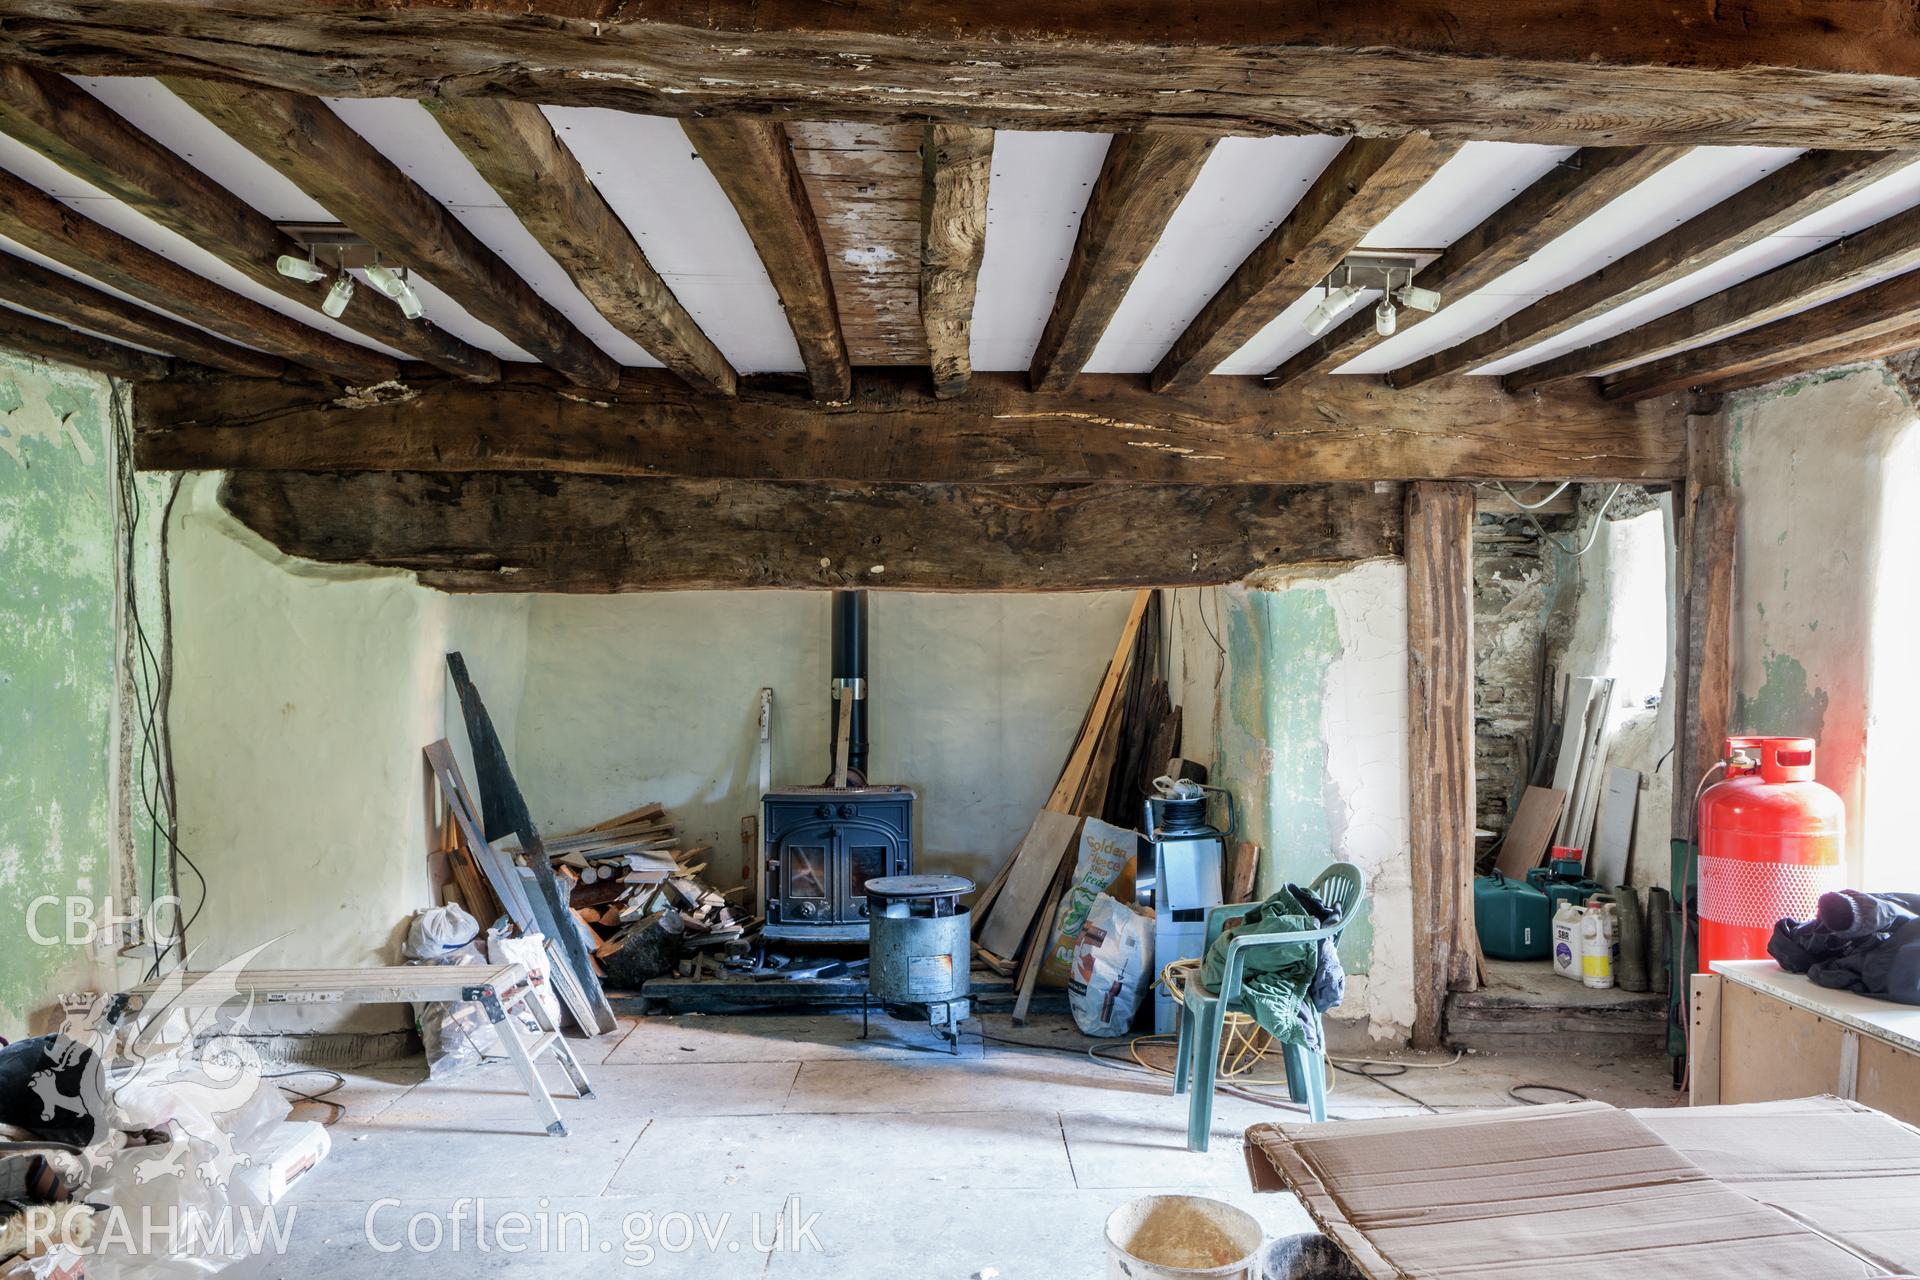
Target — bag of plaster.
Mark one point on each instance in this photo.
(1112, 967)
(529, 950)
(456, 1034)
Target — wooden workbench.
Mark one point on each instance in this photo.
(1760, 1034)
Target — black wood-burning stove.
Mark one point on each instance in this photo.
(824, 843)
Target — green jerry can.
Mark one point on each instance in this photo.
(1564, 879)
(1513, 919)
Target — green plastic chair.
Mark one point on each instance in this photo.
(1203, 1013)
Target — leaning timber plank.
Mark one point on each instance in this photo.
(31, 217)
(1034, 865)
(1045, 925)
(1886, 248)
(752, 161)
(584, 534)
(30, 335)
(1109, 429)
(1576, 189)
(30, 285)
(1893, 306)
(1364, 183)
(957, 168)
(69, 126)
(515, 150)
(307, 143)
(1142, 181)
(1070, 793)
(1819, 73)
(1775, 202)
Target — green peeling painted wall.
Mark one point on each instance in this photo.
(58, 673)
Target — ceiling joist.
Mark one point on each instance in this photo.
(1142, 181)
(306, 141)
(30, 217)
(1365, 182)
(1835, 73)
(1777, 201)
(50, 341)
(753, 162)
(1110, 429)
(515, 150)
(34, 287)
(957, 168)
(1574, 191)
(75, 130)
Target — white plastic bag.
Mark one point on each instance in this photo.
(529, 950)
(1112, 968)
(437, 932)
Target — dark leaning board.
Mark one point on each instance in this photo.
(991, 994)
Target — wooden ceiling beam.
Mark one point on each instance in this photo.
(1365, 182)
(1110, 429)
(307, 143)
(31, 217)
(1775, 202)
(1879, 347)
(753, 162)
(1886, 248)
(34, 287)
(1576, 189)
(1893, 306)
(957, 169)
(1833, 73)
(596, 534)
(1142, 181)
(74, 129)
(30, 335)
(515, 150)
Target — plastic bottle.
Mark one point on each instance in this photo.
(1566, 941)
(1596, 946)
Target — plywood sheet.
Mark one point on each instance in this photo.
(1530, 831)
(1035, 863)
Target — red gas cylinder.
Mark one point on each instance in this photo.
(1770, 844)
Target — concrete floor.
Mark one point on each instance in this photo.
(1003, 1161)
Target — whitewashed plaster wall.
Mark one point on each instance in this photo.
(1309, 729)
(1827, 472)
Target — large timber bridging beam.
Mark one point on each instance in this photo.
(1832, 73)
(599, 534)
(1109, 429)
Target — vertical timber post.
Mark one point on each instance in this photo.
(1439, 535)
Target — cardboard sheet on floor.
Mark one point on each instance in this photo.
(1848, 1171)
(1579, 1192)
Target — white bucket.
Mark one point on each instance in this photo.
(1182, 1238)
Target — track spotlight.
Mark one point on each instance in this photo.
(305, 270)
(1385, 318)
(1321, 318)
(338, 296)
(1411, 295)
(394, 285)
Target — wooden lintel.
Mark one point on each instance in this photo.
(1365, 182)
(309, 144)
(957, 168)
(752, 160)
(594, 534)
(1110, 428)
(1782, 198)
(1822, 73)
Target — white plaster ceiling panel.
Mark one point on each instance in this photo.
(407, 134)
(1247, 188)
(646, 169)
(96, 204)
(1695, 182)
(1037, 193)
(1478, 179)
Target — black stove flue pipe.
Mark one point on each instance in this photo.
(850, 678)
